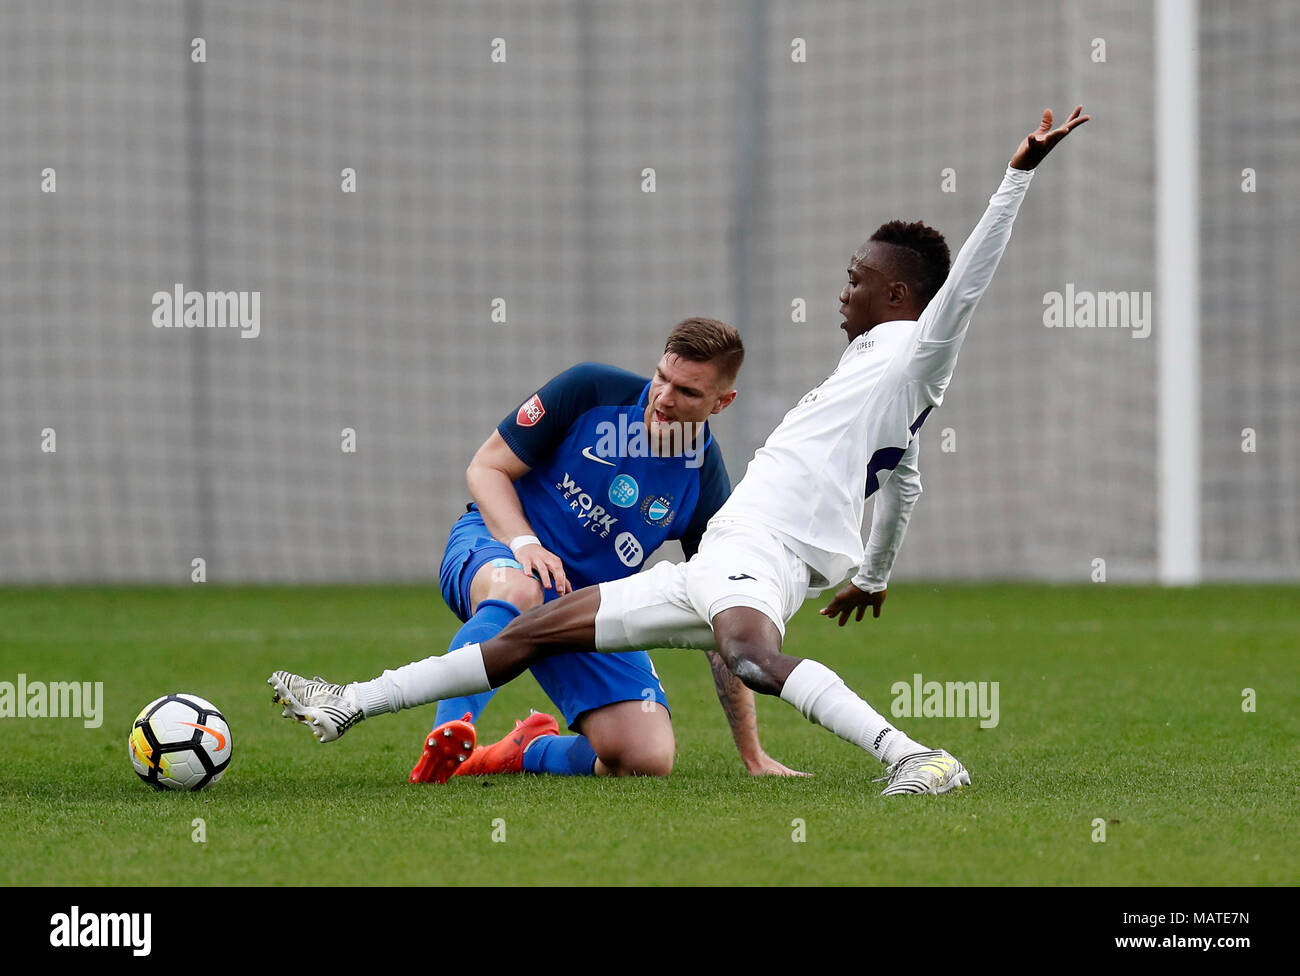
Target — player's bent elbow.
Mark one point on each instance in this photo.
(472, 473)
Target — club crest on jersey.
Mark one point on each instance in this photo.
(531, 412)
(629, 549)
(657, 509)
(624, 491)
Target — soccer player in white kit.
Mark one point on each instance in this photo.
(791, 528)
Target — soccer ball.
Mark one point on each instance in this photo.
(180, 742)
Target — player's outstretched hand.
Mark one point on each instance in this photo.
(850, 598)
(1042, 140)
(765, 765)
(548, 567)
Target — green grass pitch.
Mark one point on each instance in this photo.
(1123, 704)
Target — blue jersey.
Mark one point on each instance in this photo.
(603, 511)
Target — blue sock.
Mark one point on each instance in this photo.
(489, 620)
(560, 755)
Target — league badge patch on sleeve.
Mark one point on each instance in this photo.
(531, 412)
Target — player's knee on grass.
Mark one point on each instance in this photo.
(639, 759)
(630, 741)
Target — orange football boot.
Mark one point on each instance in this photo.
(507, 756)
(445, 750)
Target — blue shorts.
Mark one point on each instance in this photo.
(576, 683)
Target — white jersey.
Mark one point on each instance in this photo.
(839, 444)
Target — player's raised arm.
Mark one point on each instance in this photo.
(946, 316)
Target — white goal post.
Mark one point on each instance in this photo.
(1178, 293)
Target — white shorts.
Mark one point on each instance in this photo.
(672, 604)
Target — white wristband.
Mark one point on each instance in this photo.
(519, 541)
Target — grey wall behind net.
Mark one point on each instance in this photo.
(522, 181)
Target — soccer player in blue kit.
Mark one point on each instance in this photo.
(586, 479)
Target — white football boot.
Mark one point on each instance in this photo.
(328, 709)
(936, 771)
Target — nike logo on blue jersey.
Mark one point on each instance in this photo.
(587, 453)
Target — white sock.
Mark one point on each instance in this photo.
(823, 699)
(451, 675)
